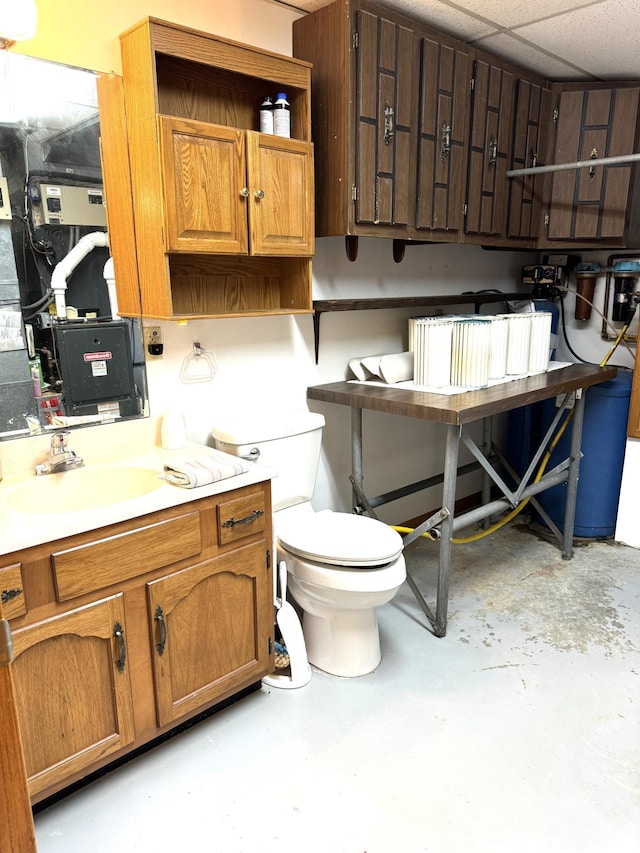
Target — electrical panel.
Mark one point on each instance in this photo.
(60, 204)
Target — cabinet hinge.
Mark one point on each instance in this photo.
(270, 645)
(556, 114)
(354, 193)
(465, 209)
(547, 219)
(6, 643)
(355, 40)
(472, 84)
(268, 559)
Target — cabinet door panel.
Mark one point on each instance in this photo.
(591, 204)
(204, 175)
(491, 124)
(385, 127)
(210, 630)
(525, 191)
(281, 202)
(442, 136)
(74, 699)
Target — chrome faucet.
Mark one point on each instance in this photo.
(60, 457)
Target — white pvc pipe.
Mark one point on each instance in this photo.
(64, 268)
(109, 277)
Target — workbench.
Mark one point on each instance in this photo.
(456, 412)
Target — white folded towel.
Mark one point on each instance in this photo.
(203, 469)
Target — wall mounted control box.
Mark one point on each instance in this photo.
(59, 204)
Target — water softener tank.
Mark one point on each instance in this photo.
(604, 435)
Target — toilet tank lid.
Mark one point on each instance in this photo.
(255, 427)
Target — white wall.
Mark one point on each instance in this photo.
(269, 362)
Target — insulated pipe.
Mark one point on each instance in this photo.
(64, 268)
(577, 164)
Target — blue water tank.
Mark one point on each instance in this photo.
(604, 435)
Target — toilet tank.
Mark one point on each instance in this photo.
(287, 441)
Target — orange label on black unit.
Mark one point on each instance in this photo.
(97, 356)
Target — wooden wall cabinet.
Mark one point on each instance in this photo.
(222, 214)
(390, 123)
(122, 633)
(415, 131)
(589, 208)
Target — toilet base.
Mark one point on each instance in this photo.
(347, 643)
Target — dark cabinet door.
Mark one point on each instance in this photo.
(593, 203)
(489, 151)
(385, 125)
(442, 136)
(525, 191)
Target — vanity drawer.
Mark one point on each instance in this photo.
(241, 517)
(13, 601)
(117, 558)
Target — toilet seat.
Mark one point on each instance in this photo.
(341, 539)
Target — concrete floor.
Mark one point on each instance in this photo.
(519, 731)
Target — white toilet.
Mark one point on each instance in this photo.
(340, 566)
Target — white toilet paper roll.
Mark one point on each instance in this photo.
(173, 432)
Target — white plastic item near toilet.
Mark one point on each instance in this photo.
(292, 638)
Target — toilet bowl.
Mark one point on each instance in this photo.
(340, 567)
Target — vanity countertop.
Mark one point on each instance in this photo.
(126, 449)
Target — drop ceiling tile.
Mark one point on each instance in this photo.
(518, 12)
(528, 56)
(442, 17)
(605, 39)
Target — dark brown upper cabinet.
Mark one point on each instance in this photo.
(415, 132)
(596, 205)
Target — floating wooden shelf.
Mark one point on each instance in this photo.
(323, 306)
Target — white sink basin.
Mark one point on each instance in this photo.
(83, 489)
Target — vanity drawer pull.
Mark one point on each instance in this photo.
(12, 592)
(9, 594)
(233, 521)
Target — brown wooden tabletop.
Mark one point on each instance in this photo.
(466, 407)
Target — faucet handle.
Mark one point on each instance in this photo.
(59, 440)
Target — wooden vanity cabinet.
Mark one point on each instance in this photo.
(136, 627)
(588, 208)
(223, 214)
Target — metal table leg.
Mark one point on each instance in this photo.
(448, 502)
(572, 480)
